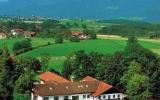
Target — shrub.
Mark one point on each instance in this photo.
(93, 36)
(58, 39)
(22, 46)
(74, 39)
(18, 96)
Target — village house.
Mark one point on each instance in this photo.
(21, 32)
(16, 32)
(28, 34)
(80, 35)
(2, 35)
(55, 87)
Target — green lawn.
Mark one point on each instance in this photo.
(59, 51)
(102, 46)
(35, 42)
(56, 64)
(89, 23)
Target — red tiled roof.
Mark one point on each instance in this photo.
(103, 87)
(49, 76)
(76, 33)
(2, 34)
(17, 30)
(88, 78)
(50, 89)
(28, 33)
(57, 85)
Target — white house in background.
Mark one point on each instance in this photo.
(15, 32)
(55, 87)
(2, 35)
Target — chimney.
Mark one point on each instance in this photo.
(72, 78)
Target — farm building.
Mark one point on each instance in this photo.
(2, 35)
(15, 32)
(55, 87)
(81, 36)
(21, 32)
(27, 34)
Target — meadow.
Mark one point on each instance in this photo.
(58, 52)
(76, 25)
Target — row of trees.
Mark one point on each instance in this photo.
(136, 70)
(130, 29)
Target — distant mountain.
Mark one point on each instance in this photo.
(100, 9)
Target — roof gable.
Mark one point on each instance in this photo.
(49, 76)
(102, 87)
(88, 78)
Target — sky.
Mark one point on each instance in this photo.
(98, 9)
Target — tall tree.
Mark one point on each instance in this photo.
(23, 85)
(136, 82)
(6, 75)
(68, 67)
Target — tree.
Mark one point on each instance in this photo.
(6, 75)
(74, 39)
(22, 46)
(59, 39)
(136, 82)
(90, 33)
(75, 24)
(84, 26)
(44, 62)
(68, 67)
(86, 64)
(23, 86)
(93, 36)
(137, 87)
(149, 63)
(111, 69)
(26, 71)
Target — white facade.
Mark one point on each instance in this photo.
(3, 36)
(118, 96)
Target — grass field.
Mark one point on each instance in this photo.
(89, 23)
(59, 51)
(35, 42)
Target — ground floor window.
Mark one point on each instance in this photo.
(56, 98)
(66, 98)
(84, 96)
(75, 97)
(35, 98)
(45, 98)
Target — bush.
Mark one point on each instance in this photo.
(93, 36)
(22, 46)
(74, 39)
(58, 39)
(18, 96)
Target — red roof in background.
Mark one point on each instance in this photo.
(1, 33)
(17, 30)
(76, 33)
(49, 76)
